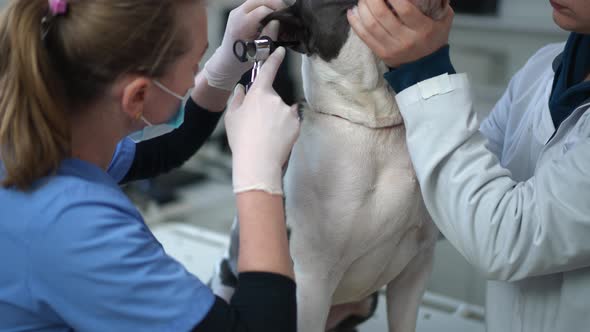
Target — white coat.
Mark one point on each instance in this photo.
(519, 209)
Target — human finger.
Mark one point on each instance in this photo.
(410, 15)
(251, 23)
(449, 16)
(271, 30)
(366, 36)
(371, 23)
(383, 15)
(238, 98)
(258, 14)
(251, 5)
(270, 68)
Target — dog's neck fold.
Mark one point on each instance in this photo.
(351, 86)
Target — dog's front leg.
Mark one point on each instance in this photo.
(314, 299)
(404, 293)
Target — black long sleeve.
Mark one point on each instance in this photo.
(263, 302)
(162, 154)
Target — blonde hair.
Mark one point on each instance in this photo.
(84, 51)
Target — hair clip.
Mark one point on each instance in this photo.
(58, 7)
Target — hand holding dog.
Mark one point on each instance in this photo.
(404, 34)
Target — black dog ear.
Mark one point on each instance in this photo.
(292, 27)
(318, 27)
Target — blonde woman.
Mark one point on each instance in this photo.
(85, 86)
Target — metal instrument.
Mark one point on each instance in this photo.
(257, 51)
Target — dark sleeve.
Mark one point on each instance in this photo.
(262, 302)
(435, 64)
(163, 154)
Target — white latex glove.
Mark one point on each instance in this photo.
(224, 70)
(261, 130)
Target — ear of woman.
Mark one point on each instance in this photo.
(133, 97)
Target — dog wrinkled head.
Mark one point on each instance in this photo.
(320, 27)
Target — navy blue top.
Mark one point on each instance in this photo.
(433, 65)
(569, 89)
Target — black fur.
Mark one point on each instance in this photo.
(320, 27)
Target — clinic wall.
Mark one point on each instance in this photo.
(492, 48)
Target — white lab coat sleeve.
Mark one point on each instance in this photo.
(509, 230)
(493, 127)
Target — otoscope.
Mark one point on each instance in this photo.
(257, 51)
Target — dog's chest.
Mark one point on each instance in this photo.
(344, 173)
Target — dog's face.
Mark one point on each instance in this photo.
(320, 27)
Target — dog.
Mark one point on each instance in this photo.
(358, 221)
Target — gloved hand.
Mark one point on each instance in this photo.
(224, 70)
(261, 130)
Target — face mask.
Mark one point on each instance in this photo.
(153, 131)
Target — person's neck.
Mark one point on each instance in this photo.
(94, 137)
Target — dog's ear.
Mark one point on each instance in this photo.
(292, 27)
(317, 27)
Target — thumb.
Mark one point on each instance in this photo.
(238, 98)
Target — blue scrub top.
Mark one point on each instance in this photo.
(76, 255)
